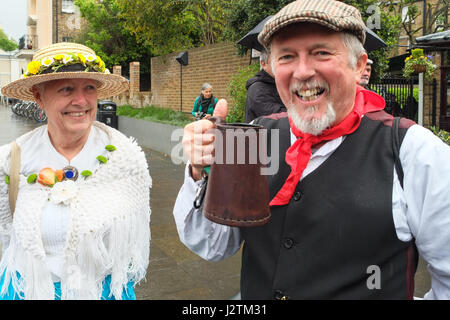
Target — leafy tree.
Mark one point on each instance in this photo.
(246, 14)
(434, 14)
(171, 25)
(7, 44)
(104, 33)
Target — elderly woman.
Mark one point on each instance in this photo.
(205, 103)
(74, 194)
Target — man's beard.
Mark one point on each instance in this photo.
(314, 126)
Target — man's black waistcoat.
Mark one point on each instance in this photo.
(336, 238)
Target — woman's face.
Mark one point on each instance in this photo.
(207, 93)
(70, 105)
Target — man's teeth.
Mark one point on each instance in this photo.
(309, 95)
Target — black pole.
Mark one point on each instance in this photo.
(181, 88)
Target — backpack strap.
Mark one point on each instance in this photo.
(396, 149)
(14, 176)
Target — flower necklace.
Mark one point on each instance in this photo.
(49, 177)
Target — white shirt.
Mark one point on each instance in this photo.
(38, 153)
(421, 209)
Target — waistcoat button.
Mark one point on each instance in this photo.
(288, 243)
(297, 196)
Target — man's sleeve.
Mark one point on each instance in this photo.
(426, 164)
(209, 240)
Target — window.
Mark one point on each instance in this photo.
(68, 6)
(67, 39)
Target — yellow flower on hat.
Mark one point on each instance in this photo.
(33, 67)
(59, 57)
(82, 58)
(47, 62)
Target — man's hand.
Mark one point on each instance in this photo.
(198, 140)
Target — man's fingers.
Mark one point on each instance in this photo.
(221, 109)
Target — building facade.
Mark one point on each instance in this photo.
(48, 22)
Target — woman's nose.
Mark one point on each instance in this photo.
(79, 98)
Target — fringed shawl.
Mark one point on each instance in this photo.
(109, 231)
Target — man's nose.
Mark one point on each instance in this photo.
(304, 69)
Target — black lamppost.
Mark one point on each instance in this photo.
(182, 59)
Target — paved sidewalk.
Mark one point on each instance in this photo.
(174, 271)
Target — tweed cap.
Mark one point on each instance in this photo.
(333, 14)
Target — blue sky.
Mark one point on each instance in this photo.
(13, 17)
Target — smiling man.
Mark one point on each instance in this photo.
(347, 214)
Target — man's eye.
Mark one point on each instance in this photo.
(286, 57)
(322, 53)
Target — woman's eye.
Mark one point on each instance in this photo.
(65, 90)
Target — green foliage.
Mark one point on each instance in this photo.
(105, 34)
(238, 92)
(110, 148)
(171, 25)
(32, 178)
(86, 173)
(102, 159)
(7, 44)
(155, 114)
(442, 134)
(7, 179)
(246, 14)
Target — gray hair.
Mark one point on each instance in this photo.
(206, 85)
(263, 56)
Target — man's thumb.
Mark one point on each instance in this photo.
(221, 109)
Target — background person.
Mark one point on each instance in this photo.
(262, 95)
(205, 103)
(80, 228)
(365, 77)
(345, 223)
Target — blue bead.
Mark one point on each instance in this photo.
(69, 174)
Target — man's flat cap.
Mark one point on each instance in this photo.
(333, 14)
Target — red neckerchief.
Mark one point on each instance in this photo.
(298, 155)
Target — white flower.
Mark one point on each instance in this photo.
(90, 58)
(47, 62)
(67, 59)
(107, 71)
(63, 192)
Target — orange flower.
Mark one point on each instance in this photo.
(47, 177)
(59, 175)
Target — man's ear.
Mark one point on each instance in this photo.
(361, 66)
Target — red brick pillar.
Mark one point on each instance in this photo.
(134, 78)
(117, 70)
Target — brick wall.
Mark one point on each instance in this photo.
(214, 64)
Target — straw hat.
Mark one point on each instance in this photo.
(66, 61)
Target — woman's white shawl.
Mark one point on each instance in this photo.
(109, 231)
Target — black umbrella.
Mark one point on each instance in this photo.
(250, 40)
(373, 42)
